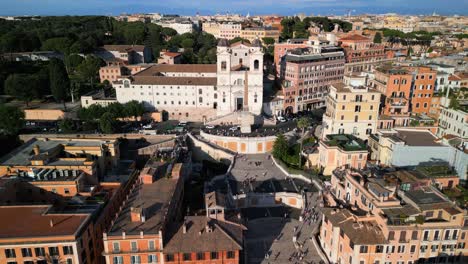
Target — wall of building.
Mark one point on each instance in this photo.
(204, 151)
(244, 145)
(269, 200)
(44, 114)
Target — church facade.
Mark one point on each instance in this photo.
(201, 92)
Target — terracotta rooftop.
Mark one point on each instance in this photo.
(355, 37)
(454, 77)
(154, 199)
(161, 68)
(172, 54)
(219, 237)
(162, 80)
(34, 222)
(124, 48)
(359, 232)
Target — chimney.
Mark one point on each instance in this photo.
(136, 214)
(184, 227)
(37, 150)
(51, 223)
(146, 175)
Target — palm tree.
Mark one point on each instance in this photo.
(49, 259)
(302, 123)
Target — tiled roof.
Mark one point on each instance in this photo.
(223, 236)
(359, 232)
(354, 37)
(172, 54)
(124, 48)
(155, 200)
(195, 68)
(162, 80)
(32, 221)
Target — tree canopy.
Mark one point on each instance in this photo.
(11, 120)
(59, 81)
(293, 27)
(378, 38)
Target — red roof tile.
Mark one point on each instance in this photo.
(32, 221)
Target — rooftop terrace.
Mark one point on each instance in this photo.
(346, 142)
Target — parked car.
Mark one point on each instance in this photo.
(281, 119)
(210, 126)
(148, 126)
(234, 128)
(183, 123)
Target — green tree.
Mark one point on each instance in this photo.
(280, 147)
(67, 125)
(11, 120)
(168, 32)
(60, 44)
(59, 81)
(20, 86)
(134, 109)
(268, 41)
(378, 38)
(88, 70)
(72, 62)
(187, 43)
(107, 123)
(430, 49)
(116, 109)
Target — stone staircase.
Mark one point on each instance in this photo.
(225, 119)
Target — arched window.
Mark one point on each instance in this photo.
(223, 65)
(200, 91)
(256, 64)
(126, 84)
(215, 96)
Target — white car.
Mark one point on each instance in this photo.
(282, 119)
(183, 123)
(148, 126)
(210, 127)
(234, 128)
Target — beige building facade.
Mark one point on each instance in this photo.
(351, 110)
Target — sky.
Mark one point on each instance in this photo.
(206, 7)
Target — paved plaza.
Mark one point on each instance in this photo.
(271, 239)
(257, 173)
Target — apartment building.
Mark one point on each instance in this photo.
(281, 49)
(91, 156)
(351, 110)
(395, 86)
(56, 207)
(30, 234)
(383, 221)
(424, 82)
(167, 57)
(253, 33)
(307, 74)
(222, 30)
(199, 92)
(180, 25)
(149, 227)
(113, 71)
(341, 150)
(126, 54)
(361, 53)
(452, 122)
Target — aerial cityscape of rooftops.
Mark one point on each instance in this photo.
(153, 137)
